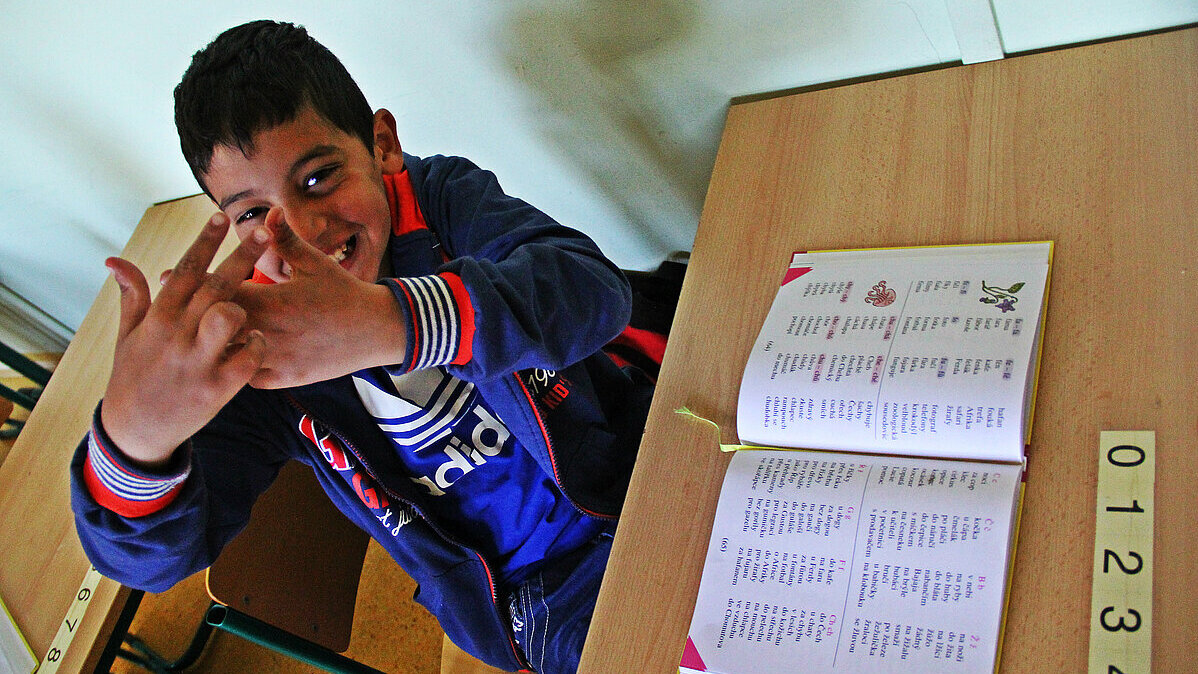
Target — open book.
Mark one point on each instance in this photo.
(889, 550)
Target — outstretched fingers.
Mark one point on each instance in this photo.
(222, 283)
(135, 293)
(192, 268)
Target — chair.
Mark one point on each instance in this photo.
(289, 582)
(291, 578)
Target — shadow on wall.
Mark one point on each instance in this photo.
(590, 67)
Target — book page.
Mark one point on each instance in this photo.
(925, 352)
(830, 562)
(15, 654)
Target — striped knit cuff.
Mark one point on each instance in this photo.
(442, 319)
(122, 488)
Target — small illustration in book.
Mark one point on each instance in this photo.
(880, 296)
(1002, 298)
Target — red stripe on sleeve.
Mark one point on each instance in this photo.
(121, 506)
(466, 313)
(414, 347)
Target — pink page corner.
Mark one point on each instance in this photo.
(690, 657)
(793, 273)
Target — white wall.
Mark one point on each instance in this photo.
(604, 113)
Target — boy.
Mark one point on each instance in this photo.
(427, 344)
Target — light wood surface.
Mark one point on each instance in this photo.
(1095, 147)
(42, 561)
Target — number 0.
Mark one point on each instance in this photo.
(1110, 456)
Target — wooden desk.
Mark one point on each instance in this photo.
(1095, 147)
(41, 561)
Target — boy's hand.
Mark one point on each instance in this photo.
(176, 362)
(322, 323)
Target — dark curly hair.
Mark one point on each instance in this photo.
(256, 76)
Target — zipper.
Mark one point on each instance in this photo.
(436, 529)
(536, 410)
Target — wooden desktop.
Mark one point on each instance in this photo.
(1095, 147)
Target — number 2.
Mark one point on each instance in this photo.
(1108, 554)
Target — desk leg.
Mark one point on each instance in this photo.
(119, 632)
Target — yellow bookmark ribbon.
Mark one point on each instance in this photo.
(685, 411)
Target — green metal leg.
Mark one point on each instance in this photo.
(36, 373)
(19, 397)
(289, 644)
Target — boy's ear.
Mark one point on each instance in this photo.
(386, 142)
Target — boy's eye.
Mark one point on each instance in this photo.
(251, 214)
(319, 176)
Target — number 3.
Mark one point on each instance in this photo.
(1119, 625)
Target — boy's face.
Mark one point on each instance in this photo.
(327, 184)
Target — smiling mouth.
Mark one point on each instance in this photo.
(348, 249)
(339, 256)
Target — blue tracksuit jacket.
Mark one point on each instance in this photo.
(493, 290)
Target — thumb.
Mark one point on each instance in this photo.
(299, 254)
(135, 293)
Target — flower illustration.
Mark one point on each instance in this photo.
(1002, 298)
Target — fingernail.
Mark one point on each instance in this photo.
(261, 235)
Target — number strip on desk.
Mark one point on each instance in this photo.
(66, 631)
(1121, 597)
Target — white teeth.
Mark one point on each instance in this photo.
(341, 254)
(337, 257)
